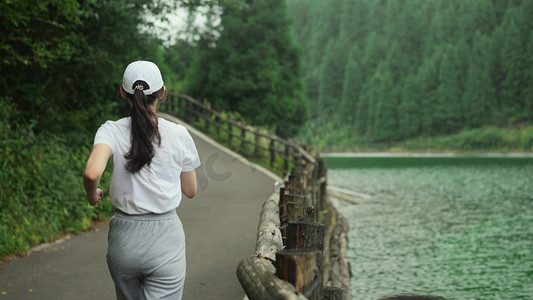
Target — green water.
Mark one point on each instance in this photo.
(457, 227)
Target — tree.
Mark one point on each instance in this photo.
(385, 119)
(480, 94)
(332, 76)
(528, 91)
(478, 15)
(61, 58)
(428, 81)
(448, 111)
(410, 109)
(513, 66)
(253, 68)
(351, 89)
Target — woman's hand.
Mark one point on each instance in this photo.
(95, 198)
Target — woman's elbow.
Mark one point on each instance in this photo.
(190, 193)
(91, 176)
(190, 189)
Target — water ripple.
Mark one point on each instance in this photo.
(459, 231)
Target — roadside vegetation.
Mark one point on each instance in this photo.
(484, 140)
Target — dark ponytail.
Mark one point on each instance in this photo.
(144, 130)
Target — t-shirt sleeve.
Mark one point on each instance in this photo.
(191, 159)
(104, 135)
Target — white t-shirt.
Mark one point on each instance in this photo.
(155, 188)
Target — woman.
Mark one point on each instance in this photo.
(153, 164)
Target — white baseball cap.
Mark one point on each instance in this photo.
(146, 71)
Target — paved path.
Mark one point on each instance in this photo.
(220, 227)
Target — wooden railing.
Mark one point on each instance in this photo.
(280, 155)
(288, 263)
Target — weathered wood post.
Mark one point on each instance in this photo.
(286, 158)
(299, 179)
(272, 150)
(243, 140)
(332, 293)
(218, 122)
(299, 267)
(297, 211)
(230, 132)
(189, 112)
(207, 115)
(305, 235)
(284, 199)
(183, 108)
(257, 142)
(323, 182)
(295, 185)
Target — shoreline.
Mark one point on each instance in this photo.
(427, 154)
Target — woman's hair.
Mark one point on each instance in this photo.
(144, 130)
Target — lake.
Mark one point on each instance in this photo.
(456, 227)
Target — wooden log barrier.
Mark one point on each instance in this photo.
(299, 267)
(297, 211)
(269, 239)
(258, 279)
(302, 196)
(302, 235)
(332, 293)
(283, 210)
(283, 200)
(295, 186)
(300, 179)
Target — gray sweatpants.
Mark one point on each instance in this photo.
(146, 255)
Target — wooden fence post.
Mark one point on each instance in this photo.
(322, 182)
(297, 211)
(300, 179)
(305, 235)
(300, 268)
(257, 140)
(217, 124)
(208, 115)
(189, 111)
(230, 132)
(332, 293)
(243, 140)
(284, 199)
(286, 158)
(272, 149)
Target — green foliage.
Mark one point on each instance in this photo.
(486, 139)
(61, 63)
(41, 190)
(252, 68)
(423, 68)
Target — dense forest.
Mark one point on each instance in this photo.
(382, 71)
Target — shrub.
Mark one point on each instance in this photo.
(41, 186)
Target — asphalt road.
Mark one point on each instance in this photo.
(220, 227)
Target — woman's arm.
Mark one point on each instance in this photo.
(93, 172)
(188, 183)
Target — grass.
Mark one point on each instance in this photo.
(479, 140)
